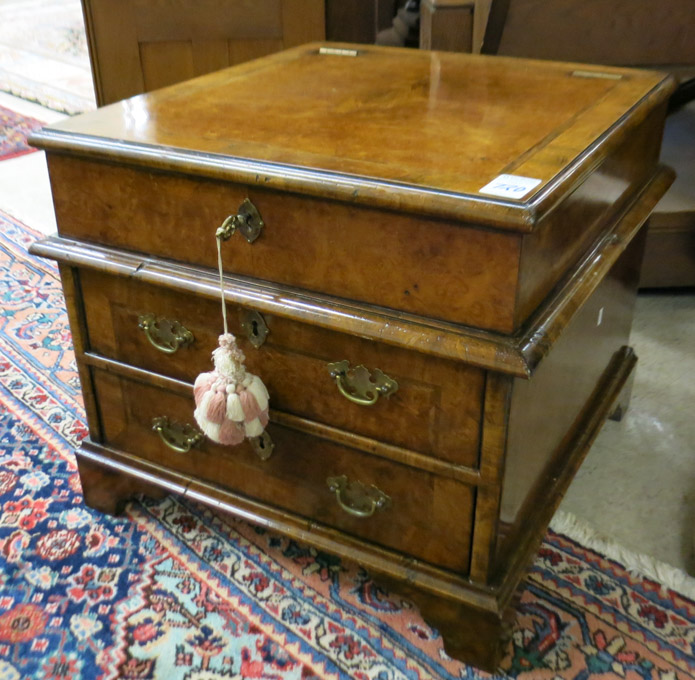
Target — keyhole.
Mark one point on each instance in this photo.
(254, 328)
(263, 446)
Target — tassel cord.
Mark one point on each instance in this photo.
(231, 404)
(219, 267)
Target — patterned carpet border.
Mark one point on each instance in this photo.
(172, 591)
(14, 130)
(645, 567)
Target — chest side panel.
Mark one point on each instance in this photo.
(548, 411)
(569, 231)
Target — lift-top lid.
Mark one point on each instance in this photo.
(496, 140)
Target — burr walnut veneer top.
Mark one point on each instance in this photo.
(401, 129)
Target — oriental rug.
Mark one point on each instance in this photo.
(14, 130)
(172, 591)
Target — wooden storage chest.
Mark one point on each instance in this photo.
(471, 227)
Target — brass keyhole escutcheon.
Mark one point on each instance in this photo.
(254, 326)
(247, 222)
(263, 446)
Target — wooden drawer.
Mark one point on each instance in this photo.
(375, 256)
(428, 516)
(435, 411)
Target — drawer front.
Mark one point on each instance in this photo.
(428, 267)
(435, 410)
(425, 515)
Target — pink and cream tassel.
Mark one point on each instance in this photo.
(231, 403)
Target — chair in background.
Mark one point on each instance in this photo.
(641, 33)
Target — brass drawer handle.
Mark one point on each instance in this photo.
(167, 336)
(356, 384)
(180, 438)
(358, 499)
(247, 220)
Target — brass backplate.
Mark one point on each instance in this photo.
(167, 335)
(359, 385)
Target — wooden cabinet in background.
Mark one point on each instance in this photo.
(137, 46)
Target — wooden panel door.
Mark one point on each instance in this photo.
(141, 45)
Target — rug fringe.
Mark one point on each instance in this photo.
(638, 564)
